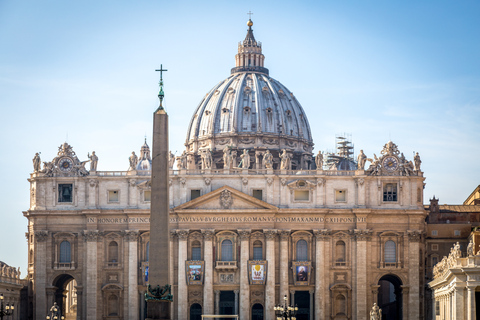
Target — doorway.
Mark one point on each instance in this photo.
(227, 302)
(257, 312)
(390, 297)
(302, 301)
(195, 312)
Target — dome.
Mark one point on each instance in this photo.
(144, 161)
(250, 109)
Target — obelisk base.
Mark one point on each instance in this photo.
(158, 310)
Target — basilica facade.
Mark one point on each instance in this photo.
(254, 217)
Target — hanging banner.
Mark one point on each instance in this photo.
(257, 271)
(301, 272)
(194, 272)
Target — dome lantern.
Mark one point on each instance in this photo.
(249, 56)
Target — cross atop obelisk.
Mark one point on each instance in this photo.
(161, 94)
(158, 295)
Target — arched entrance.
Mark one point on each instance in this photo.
(257, 312)
(66, 295)
(390, 297)
(195, 312)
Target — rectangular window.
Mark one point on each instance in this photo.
(302, 195)
(340, 195)
(257, 253)
(194, 194)
(456, 233)
(65, 193)
(390, 192)
(434, 261)
(258, 194)
(434, 232)
(113, 196)
(434, 247)
(196, 253)
(437, 308)
(147, 196)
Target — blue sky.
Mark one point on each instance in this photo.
(84, 72)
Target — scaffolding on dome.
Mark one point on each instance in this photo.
(342, 159)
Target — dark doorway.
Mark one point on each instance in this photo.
(257, 312)
(66, 295)
(390, 297)
(195, 312)
(227, 302)
(302, 301)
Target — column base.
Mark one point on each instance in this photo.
(158, 310)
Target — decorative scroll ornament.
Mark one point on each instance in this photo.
(390, 149)
(159, 293)
(66, 163)
(226, 199)
(41, 236)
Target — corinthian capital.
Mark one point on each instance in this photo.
(244, 234)
(270, 234)
(41, 236)
(322, 234)
(183, 234)
(208, 234)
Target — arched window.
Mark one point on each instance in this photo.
(257, 250)
(147, 256)
(196, 250)
(227, 250)
(302, 252)
(390, 252)
(113, 252)
(65, 252)
(112, 305)
(340, 256)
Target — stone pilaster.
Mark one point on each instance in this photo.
(182, 296)
(40, 274)
(91, 237)
(79, 302)
(284, 259)
(321, 288)
(217, 302)
(311, 292)
(208, 235)
(131, 300)
(471, 303)
(236, 292)
(171, 273)
(414, 238)
(244, 235)
(270, 235)
(459, 303)
(361, 236)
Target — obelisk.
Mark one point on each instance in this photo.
(158, 295)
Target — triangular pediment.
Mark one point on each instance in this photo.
(225, 198)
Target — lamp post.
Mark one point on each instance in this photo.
(285, 312)
(55, 313)
(5, 310)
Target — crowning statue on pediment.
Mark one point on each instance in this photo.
(66, 163)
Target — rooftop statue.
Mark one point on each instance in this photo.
(285, 163)
(37, 163)
(268, 160)
(319, 160)
(361, 160)
(417, 161)
(245, 162)
(171, 160)
(93, 161)
(133, 160)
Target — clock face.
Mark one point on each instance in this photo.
(390, 163)
(65, 164)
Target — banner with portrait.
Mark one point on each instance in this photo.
(194, 272)
(257, 271)
(301, 272)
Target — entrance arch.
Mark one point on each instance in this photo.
(195, 312)
(257, 312)
(390, 297)
(66, 295)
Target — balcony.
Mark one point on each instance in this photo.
(226, 265)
